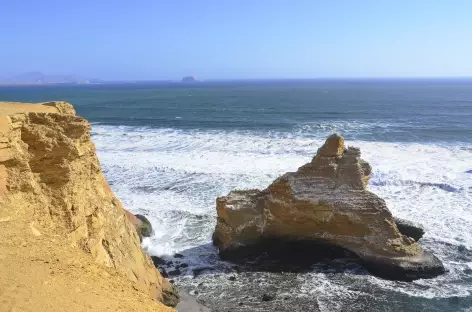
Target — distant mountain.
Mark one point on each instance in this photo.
(36, 77)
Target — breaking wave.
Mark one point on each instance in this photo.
(173, 176)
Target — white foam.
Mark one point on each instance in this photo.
(445, 214)
(174, 176)
(330, 295)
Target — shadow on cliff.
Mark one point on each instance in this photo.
(273, 256)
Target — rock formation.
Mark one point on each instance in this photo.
(144, 226)
(410, 229)
(324, 202)
(52, 186)
(141, 224)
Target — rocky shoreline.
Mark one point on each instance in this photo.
(53, 193)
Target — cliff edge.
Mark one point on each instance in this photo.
(66, 240)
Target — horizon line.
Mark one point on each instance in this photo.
(105, 81)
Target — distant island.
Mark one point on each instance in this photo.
(189, 79)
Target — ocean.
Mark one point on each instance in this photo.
(169, 149)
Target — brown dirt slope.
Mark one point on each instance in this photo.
(43, 273)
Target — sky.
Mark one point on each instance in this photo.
(236, 39)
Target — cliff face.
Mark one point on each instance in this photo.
(51, 182)
(325, 201)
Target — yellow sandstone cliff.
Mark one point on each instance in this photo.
(66, 242)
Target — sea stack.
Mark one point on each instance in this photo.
(325, 202)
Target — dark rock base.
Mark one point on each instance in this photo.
(410, 229)
(426, 265)
(275, 255)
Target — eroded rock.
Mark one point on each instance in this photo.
(141, 223)
(50, 176)
(170, 296)
(144, 226)
(324, 202)
(410, 229)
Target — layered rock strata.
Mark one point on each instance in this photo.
(51, 181)
(324, 202)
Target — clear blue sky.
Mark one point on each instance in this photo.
(159, 39)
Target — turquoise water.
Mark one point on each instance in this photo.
(385, 110)
(168, 150)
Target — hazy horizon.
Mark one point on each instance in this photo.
(255, 79)
(237, 40)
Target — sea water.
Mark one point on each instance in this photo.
(169, 149)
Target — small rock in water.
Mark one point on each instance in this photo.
(174, 272)
(157, 260)
(199, 271)
(268, 297)
(144, 226)
(410, 229)
(184, 265)
(177, 255)
(232, 278)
